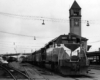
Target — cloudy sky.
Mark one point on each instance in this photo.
(25, 17)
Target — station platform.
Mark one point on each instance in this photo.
(16, 65)
(95, 67)
(36, 73)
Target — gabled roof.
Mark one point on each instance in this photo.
(75, 6)
(82, 38)
(59, 38)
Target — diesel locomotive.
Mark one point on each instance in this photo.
(66, 54)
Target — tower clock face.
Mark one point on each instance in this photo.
(76, 22)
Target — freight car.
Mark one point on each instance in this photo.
(66, 54)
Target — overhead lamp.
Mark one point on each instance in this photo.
(87, 23)
(43, 23)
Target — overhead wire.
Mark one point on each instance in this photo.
(8, 44)
(16, 34)
(35, 37)
(37, 17)
(12, 46)
(32, 17)
(32, 36)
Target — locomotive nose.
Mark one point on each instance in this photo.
(74, 58)
(74, 63)
(75, 66)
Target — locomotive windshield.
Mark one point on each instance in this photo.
(71, 44)
(72, 51)
(75, 49)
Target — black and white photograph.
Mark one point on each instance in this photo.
(49, 40)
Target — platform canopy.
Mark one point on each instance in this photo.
(94, 53)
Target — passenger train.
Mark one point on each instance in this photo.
(66, 54)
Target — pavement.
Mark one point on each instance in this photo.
(40, 74)
(95, 67)
(16, 65)
(37, 73)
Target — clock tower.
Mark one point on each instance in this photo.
(75, 19)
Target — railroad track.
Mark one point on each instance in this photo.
(34, 73)
(95, 67)
(12, 74)
(49, 75)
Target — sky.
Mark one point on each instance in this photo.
(25, 17)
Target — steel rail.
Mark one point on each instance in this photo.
(38, 73)
(27, 73)
(15, 70)
(23, 73)
(8, 72)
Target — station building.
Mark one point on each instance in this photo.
(94, 57)
(75, 28)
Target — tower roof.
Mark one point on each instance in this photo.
(75, 6)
